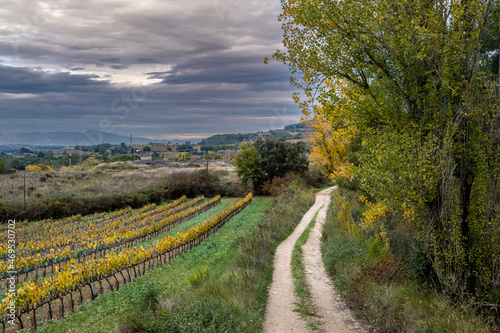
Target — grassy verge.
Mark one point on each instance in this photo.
(217, 287)
(322, 188)
(304, 306)
(383, 288)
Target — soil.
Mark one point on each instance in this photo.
(334, 314)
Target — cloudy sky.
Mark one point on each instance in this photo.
(163, 69)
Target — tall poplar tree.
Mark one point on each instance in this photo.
(412, 81)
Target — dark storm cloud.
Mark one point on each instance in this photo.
(227, 68)
(37, 81)
(153, 68)
(118, 66)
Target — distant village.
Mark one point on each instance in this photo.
(220, 147)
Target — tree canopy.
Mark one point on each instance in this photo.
(403, 95)
(268, 159)
(247, 164)
(279, 157)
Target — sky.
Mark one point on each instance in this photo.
(162, 69)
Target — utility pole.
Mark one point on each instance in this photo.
(25, 188)
(208, 157)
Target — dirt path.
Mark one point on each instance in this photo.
(280, 316)
(335, 316)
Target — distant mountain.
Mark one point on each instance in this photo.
(85, 138)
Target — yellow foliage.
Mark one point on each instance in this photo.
(346, 221)
(328, 147)
(375, 210)
(75, 275)
(46, 167)
(33, 168)
(89, 163)
(39, 167)
(382, 235)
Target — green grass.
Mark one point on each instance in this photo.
(322, 188)
(304, 306)
(384, 292)
(236, 264)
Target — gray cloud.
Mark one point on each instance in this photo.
(155, 68)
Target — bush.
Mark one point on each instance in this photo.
(125, 158)
(275, 186)
(315, 178)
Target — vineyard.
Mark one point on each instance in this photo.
(63, 263)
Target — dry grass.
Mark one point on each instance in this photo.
(102, 180)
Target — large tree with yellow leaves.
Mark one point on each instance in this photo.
(409, 81)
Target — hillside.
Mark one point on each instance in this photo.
(290, 132)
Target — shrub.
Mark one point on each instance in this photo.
(315, 178)
(125, 158)
(274, 186)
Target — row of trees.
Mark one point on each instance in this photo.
(404, 98)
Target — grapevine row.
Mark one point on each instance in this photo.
(56, 233)
(96, 234)
(35, 294)
(129, 239)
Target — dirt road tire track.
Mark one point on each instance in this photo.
(335, 316)
(280, 317)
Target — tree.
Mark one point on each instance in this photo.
(117, 150)
(247, 164)
(3, 168)
(18, 164)
(155, 156)
(185, 156)
(278, 157)
(26, 151)
(89, 163)
(146, 149)
(185, 146)
(409, 81)
(211, 155)
(268, 159)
